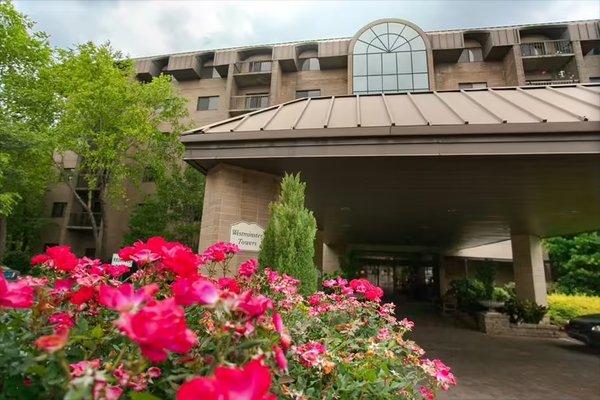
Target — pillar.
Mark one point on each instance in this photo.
(582, 72)
(528, 264)
(332, 257)
(231, 195)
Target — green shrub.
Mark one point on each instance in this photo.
(486, 274)
(562, 307)
(468, 292)
(524, 311)
(17, 260)
(288, 245)
(500, 294)
(577, 261)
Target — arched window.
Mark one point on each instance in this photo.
(309, 64)
(390, 57)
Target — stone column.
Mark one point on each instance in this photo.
(233, 194)
(230, 89)
(580, 62)
(331, 258)
(528, 264)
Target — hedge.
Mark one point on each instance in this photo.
(562, 307)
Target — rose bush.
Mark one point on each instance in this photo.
(169, 329)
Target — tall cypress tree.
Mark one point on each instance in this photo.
(288, 245)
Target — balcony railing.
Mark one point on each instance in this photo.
(552, 82)
(82, 220)
(249, 102)
(546, 48)
(248, 67)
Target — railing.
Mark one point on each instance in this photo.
(249, 102)
(552, 82)
(247, 67)
(82, 220)
(546, 48)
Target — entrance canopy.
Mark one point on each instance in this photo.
(441, 169)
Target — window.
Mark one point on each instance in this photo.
(208, 103)
(308, 93)
(309, 64)
(58, 209)
(90, 252)
(209, 73)
(471, 55)
(257, 100)
(260, 66)
(472, 85)
(390, 57)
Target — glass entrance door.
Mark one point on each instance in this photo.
(403, 279)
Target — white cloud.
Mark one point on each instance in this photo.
(143, 28)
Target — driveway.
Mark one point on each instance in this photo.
(503, 367)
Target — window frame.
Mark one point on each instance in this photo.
(312, 62)
(480, 85)
(208, 104)
(401, 65)
(470, 55)
(214, 74)
(62, 209)
(308, 91)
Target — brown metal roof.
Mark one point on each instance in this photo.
(492, 106)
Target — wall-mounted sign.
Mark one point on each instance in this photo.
(248, 236)
(116, 260)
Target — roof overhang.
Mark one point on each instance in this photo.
(510, 160)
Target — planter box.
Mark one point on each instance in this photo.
(494, 323)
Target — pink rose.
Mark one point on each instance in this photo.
(251, 382)
(158, 327)
(194, 291)
(15, 294)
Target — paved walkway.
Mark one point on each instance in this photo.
(506, 368)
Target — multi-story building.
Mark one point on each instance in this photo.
(390, 57)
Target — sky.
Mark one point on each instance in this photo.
(152, 27)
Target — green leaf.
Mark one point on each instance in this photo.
(142, 396)
(97, 332)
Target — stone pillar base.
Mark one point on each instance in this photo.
(493, 323)
(231, 195)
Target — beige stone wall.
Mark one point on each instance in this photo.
(234, 194)
(193, 89)
(592, 66)
(333, 82)
(514, 75)
(448, 76)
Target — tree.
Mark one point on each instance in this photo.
(115, 124)
(26, 112)
(288, 245)
(577, 262)
(173, 212)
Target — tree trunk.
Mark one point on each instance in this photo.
(101, 239)
(2, 237)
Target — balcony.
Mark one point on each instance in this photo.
(253, 73)
(547, 48)
(243, 104)
(546, 55)
(552, 82)
(83, 221)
